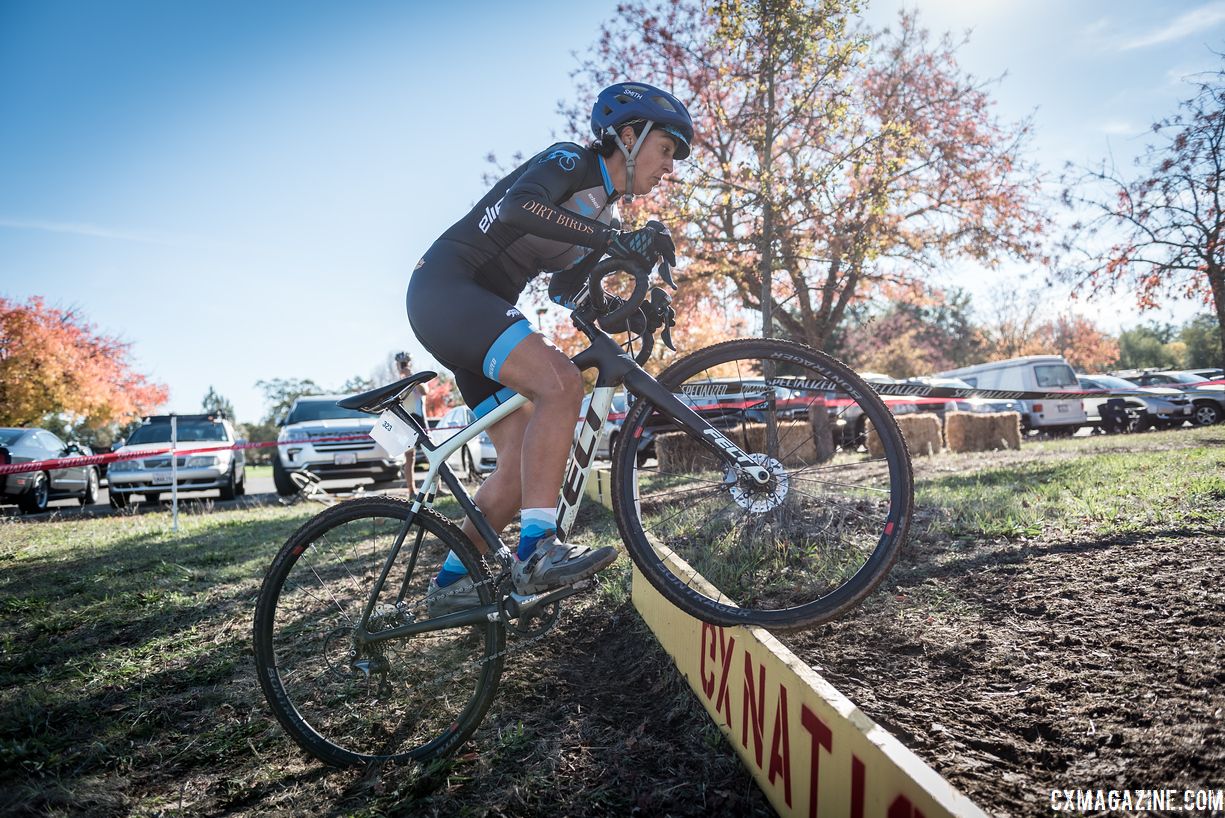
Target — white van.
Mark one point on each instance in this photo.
(1033, 373)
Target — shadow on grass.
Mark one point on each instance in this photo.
(128, 660)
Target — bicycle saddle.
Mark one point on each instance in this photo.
(376, 400)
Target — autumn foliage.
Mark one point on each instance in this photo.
(826, 161)
(53, 362)
(1161, 232)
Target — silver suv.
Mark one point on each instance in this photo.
(1208, 397)
(1157, 406)
(306, 443)
(218, 467)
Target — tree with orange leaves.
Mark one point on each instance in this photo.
(54, 362)
(1164, 231)
(821, 167)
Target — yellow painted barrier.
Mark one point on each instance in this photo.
(812, 751)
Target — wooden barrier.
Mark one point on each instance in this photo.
(812, 751)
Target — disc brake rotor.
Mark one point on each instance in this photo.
(759, 498)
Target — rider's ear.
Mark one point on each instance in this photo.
(628, 137)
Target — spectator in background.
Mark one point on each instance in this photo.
(415, 404)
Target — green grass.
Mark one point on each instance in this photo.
(1087, 487)
(259, 471)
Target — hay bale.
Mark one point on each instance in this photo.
(982, 432)
(921, 432)
(797, 446)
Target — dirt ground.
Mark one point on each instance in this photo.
(1054, 657)
(1018, 666)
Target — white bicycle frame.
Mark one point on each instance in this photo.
(582, 455)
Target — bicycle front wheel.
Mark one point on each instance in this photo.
(348, 701)
(793, 552)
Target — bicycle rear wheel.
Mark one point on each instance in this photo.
(347, 702)
(805, 547)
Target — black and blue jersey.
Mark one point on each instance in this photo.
(544, 217)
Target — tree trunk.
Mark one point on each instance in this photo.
(1216, 280)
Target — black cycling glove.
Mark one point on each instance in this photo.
(644, 246)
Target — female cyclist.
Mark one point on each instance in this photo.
(546, 216)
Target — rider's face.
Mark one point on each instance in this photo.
(654, 161)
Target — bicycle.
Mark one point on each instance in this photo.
(790, 533)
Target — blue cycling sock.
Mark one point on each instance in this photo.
(536, 524)
(452, 570)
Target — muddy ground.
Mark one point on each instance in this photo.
(1017, 666)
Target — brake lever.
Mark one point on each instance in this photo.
(666, 337)
(665, 272)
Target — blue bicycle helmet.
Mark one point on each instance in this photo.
(627, 101)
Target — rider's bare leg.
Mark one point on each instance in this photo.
(543, 374)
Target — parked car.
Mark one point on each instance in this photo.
(940, 406)
(1033, 373)
(222, 468)
(304, 445)
(477, 457)
(31, 491)
(1155, 406)
(734, 400)
(1208, 398)
(612, 426)
(1210, 373)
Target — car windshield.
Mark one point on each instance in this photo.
(1184, 377)
(188, 430)
(321, 410)
(10, 436)
(1050, 375)
(1109, 382)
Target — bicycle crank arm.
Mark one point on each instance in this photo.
(519, 604)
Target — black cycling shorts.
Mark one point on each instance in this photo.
(465, 325)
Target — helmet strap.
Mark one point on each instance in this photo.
(630, 155)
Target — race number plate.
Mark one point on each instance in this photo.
(393, 434)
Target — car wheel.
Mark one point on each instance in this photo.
(91, 488)
(1207, 413)
(285, 486)
(229, 490)
(152, 496)
(35, 498)
(241, 488)
(118, 500)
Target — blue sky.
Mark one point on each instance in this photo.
(241, 189)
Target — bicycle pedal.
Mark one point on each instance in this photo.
(518, 604)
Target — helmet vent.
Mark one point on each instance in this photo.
(663, 103)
